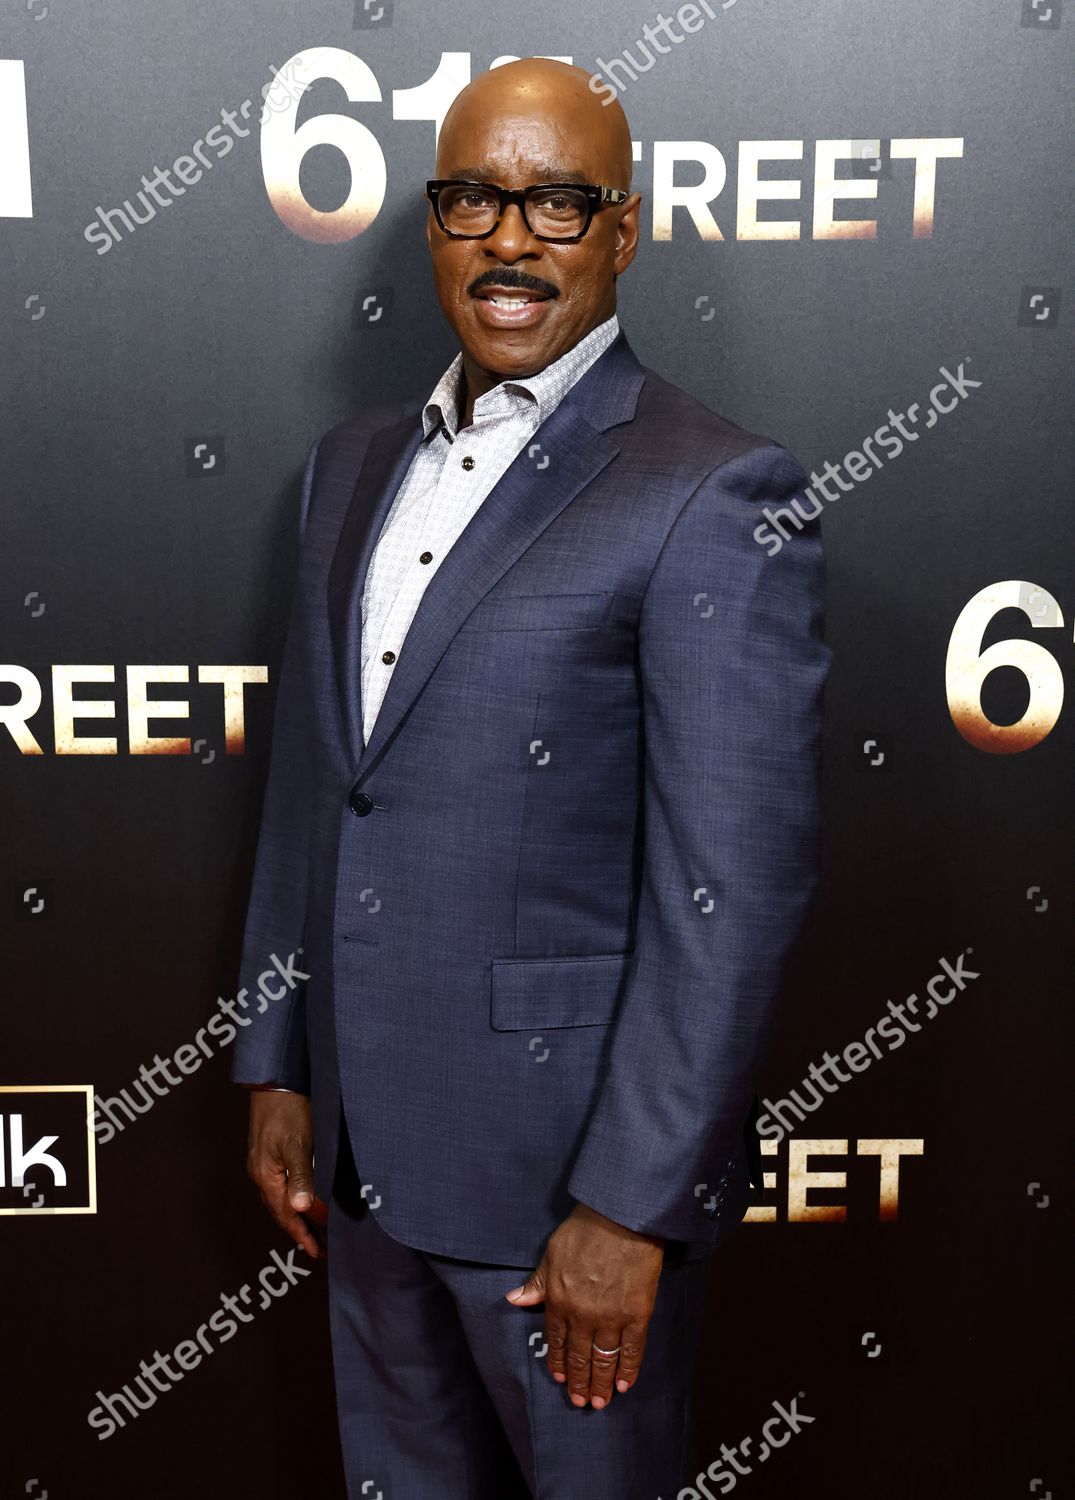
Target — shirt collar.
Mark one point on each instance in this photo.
(545, 390)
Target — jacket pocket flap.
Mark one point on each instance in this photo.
(531, 993)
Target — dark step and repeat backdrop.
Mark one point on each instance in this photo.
(857, 238)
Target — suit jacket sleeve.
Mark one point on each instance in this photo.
(732, 665)
(271, 1042)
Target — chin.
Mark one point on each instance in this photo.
(512, 354)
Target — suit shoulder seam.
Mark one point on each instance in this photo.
(760, 444)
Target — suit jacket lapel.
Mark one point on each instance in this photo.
(531, 493)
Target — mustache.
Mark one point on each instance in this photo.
(513, 280)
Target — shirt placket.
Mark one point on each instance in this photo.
(464, 480)
(407, 525)
(444, 516)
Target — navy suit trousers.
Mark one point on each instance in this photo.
(444, 1393)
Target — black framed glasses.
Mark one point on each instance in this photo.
(559, 211)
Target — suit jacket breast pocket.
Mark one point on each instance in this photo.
(541, 612)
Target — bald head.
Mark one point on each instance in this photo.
(543, 89)
(519, 299)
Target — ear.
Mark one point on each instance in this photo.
(627, 234)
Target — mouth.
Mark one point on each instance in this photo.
(509, 296)
(509, 307)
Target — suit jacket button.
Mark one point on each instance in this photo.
(360, 804)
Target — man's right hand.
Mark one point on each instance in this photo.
(280, 1162)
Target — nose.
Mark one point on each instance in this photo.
(511, 240)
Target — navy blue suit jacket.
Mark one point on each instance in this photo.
(544, 910)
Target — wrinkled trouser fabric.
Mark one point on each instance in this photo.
(443, 1391)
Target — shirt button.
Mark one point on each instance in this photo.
(388, 658)
(426, 557)
(468, 462)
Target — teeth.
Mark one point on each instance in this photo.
(509, 301)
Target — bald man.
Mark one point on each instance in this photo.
(540, 829)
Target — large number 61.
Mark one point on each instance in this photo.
(283, 147)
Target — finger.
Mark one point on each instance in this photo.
(300, 1177)
(295, 1226)
(603, 1366)
(632, 1348)
(300, 1194)
(579, 1348)
(290, 1222)
(532, 1291)
(317, 1219)
(318, 1212)
(272, 1185)
(556, 1339)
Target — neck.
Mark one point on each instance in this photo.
(476, 380)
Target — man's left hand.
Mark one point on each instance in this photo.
(598, 1282)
